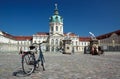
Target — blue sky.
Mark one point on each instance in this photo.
(27, 17)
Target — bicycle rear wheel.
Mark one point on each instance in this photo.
(28, 63)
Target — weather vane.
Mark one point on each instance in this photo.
(56, 5)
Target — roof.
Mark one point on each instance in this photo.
(42, 33)
(108, 35)
(17, 37)
(7, 35)
(71, 34)
(56, 18)
(84, 38)
(23, 38)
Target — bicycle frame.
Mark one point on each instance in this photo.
(28, 55)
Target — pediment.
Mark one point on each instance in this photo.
(114, 35)
(57, 34)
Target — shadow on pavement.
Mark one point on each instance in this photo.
(19, 73)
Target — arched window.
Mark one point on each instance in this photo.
(21, 42)
(76, 43)
(51, 28)
(34, 41)
(52, 48)
(56, 42)
(61, 28)
(56, 28)
(18, 42)
(52, 41)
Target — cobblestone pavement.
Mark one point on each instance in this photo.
(62, 66)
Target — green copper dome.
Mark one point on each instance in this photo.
(56, 17)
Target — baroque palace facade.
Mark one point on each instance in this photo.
(54, 38)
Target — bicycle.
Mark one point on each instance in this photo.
(29, 61)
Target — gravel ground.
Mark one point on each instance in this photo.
(63, 66)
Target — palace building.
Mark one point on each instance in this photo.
(54, 38)
(110, 41)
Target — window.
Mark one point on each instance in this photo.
(56, 41)
(61, 28)
(52, 48)
(67, 47)
(51, 28)
(56, 28)
(18, 42)
(52, 41)
(34, 41)
(76, 42)
(82, 43)
(85, 43)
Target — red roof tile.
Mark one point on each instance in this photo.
(23, 37)
(71, 34)
(108, 35)
(7, 35)
(42, 33)
(17, 37)
(84, 38)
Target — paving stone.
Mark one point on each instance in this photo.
(63, 66)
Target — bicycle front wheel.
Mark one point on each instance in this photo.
(28, 64)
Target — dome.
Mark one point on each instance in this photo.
(56, 18)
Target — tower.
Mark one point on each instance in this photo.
(56, 34)
(56, 23)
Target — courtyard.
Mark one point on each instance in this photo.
(64, 66)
